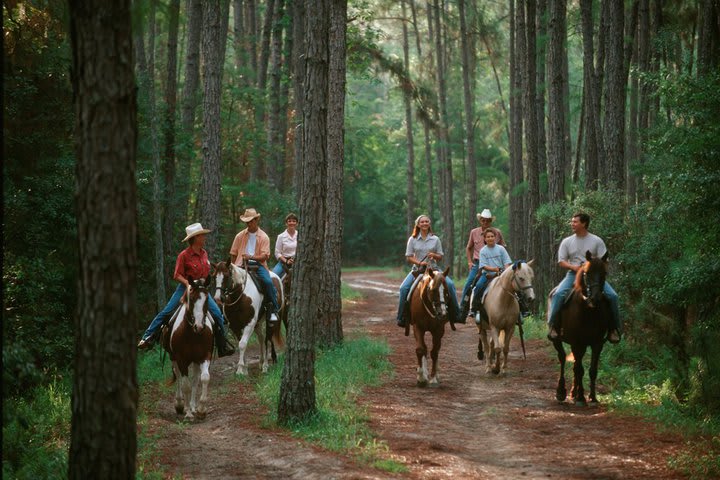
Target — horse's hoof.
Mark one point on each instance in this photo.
(560, 395)
(580, 403)
(435, 382)
(200, 415)
(179, 409)
(422, 383)
(189, 417)
(594, 403)
(481, 355)
(495, 371)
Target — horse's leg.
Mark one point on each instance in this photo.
(242, 368)
(262, 340)
(561, 391)
(186, 390)
(506, 348)
(204, 370)
(496, 349)
(421, 352)
(486, 348)
(434, 353)
(594, 362)
(194, 378)
(578, 393)
(179, 404)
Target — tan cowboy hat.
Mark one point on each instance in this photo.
(250, 213)
(194, 230)
(486, 214)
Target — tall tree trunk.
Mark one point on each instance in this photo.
(410, 212)
(297, 388)
(287, 68)
(240, 42)
(557, 150)
(275, 150)
(516, 131)
(708, 36)
(252, 36)
(170, 205)
(546, 248)
(415, 28)
(105, 391)
(260, 166)
(330, 331)
(299, 67)
(446, 190)
(469, 101)
(614, 129)
(428, 137)
(589, 97)
(210, 182)
(189, 103)
(531, 132)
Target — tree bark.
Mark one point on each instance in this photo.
(531, 132)
(210, 182)
(708, 36)
(287, 69)
(469, 103)
(275, 149)
(410, 212)
(516, 130)
(591, 105)
(297, 388)
(105, 391)
(614, 129)
(240, 42)
(260, 164)
(557, 139)
(330, 331)
(298, 60)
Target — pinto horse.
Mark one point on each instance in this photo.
(583, 322)
(500, 313)
(188, 339)
(429, 303)
(241, 303)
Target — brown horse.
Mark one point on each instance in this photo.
(429, 303)
(188, 339)
(583, 322)
(241, 304)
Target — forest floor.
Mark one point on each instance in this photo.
(473, 426)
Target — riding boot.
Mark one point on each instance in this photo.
(224, 348)
(403, 320)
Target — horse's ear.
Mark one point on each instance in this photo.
(430, 272)
(529, 264)
(228, 261)
(208, 280)
(605, 257)
(588, 255)
(445, 273)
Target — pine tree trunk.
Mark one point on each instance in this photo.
(516, 132)
(105, 391)
(260, 164)
(410, 212)
(210, 182)
(469, 103)
(287, 68)
(298, 60)
(557, 150)
(240, 41)
(531, 132)
(589, 97)
(330, 331)
(297, 388)
(275, 150)
(614, 130)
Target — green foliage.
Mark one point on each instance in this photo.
(340, 423)
(700, 460)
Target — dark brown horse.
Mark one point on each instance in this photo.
(188, 339)
(583, 322)
(429, 305)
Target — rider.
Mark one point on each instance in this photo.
(423, 250)
(571, 256)
(493, 260)
(252, 246)
(192, 263)
(475, 243)
(286, 245)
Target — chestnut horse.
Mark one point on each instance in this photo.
(241, 304)
(429, 303)
(500, 313)
(188, 339)
(583, 322)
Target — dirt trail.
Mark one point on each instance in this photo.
(472, 426)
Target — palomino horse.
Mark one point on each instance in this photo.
(241, 303)
(501, 311)
(583, 322)
(428, 313)
(188, 339)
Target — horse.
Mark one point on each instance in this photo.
(583, 322)
(428, 313)
(188, 339)
(500, 313)
(241, 303)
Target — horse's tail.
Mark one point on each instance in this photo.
(277, 335)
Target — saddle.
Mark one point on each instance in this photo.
(552, 294)
(252, 270)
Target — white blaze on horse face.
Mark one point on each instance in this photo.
(441, 292)
(219, 277)
(198, 312)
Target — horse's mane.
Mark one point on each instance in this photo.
(238, 274)
(585, 268)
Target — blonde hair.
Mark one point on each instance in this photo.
(416, 227)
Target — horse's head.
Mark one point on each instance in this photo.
(438, 292)
(198, 303)
(592, 279)
(221, 272)
(523, 279)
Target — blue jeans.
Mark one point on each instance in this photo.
(278, 269)
(470, 279)
(480, 288)
(173, 304)
(268, 286)
(567, 285)
(405, 289)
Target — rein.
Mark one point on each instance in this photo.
(431, 309)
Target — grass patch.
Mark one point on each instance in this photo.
(340, 424)
(349, 294)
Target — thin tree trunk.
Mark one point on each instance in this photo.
(240, 41)
(516, 133)
(105, 392)
(330, 331)
(260, 164)
(615, 98)
(415, 27)
(531, 132)
(546, 248)
(557, 150)
(252, 35)
(410, 212)
(299, 67)
(590, 96)
(469, 103)
(210, 182)
(275, 149)
(287, 67)
(297, 388)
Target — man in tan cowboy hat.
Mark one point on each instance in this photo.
(252, 246)
(192, 263)
(475, 243)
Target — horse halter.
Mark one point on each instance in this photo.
(229, 289)
(588, 288)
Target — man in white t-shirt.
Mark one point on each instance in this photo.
(571, 256)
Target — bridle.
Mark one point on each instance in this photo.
(435, 305)
(588, 287)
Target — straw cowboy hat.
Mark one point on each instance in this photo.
(486, 214)
(194, 230)
(250, 213)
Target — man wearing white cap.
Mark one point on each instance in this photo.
(252, 246)
(192, 263)
(476, 242)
